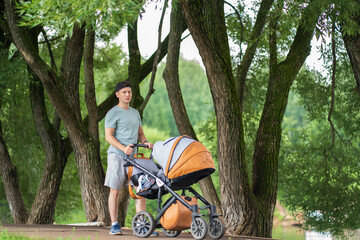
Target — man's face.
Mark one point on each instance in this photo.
(124, 95)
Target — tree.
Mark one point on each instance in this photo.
(171, 78)
(313, 166)
(324, 153)
(66, 104)
(63, 91)
(251, 207)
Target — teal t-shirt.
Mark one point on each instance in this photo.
(126, 124)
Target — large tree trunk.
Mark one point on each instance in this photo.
(66, 105)
(249, 211)
(43, 207)
(267, 145)
(93, 131)
(202, 18)
(171, 77)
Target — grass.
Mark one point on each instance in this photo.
(5, 235)
(11, 236)
(75, 217)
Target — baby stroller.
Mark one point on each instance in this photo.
(182, 161)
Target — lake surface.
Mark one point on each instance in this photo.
(288, 233)
(296, 233)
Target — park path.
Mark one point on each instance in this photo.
(70, 232)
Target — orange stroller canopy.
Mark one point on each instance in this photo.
(184, 160)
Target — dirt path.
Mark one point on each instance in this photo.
(85, 232)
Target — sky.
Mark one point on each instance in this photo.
(148, 33)
(148, 36)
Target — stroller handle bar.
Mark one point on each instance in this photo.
(139, 145)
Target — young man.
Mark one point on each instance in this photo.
(123, 128)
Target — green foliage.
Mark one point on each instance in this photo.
(110, 67)
(75, 216)
(108, 17)
(207, 134)
(320, 178)
(346, 11)
(19, 131)
(323, 183)
(196, 95)
(69, 209)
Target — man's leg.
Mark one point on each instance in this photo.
(113, 204)
(113, 210)
(140, 204)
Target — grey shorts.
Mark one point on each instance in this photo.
(116, 176)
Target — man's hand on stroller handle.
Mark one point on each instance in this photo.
(129, 149)
(140, 145)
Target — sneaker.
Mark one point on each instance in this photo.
(115, 229)
(154, 234)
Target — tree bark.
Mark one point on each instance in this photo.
(96, 210)
(134, 65)
(352, 44)
(171, 77)
(90, 96)
(70, 69)
(124, 199)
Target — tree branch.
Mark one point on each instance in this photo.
(134, 65)
(90, 97)
(53, 64)
(240, 20)
(243, 68)
(333, 48)
(156, 60)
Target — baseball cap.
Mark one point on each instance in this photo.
(122, 85)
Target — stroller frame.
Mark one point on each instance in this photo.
(143, 223)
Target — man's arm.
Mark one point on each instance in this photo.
(109, 137)
(142, 138)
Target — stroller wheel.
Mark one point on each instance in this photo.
(198, 228)
(170, 233)
(216, 228)
(143, 224)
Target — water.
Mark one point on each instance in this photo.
(288, 233)
(296, 233)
